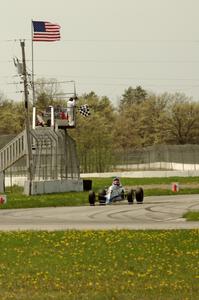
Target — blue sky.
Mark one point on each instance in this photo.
(106, 45)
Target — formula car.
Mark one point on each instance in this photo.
(112, 194)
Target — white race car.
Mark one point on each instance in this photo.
(114, 194)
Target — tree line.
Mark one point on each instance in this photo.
(140, 119)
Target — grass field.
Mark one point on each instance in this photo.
(192, 216)
(100, 265)
(95, 265)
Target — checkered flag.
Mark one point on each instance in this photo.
(84, 110)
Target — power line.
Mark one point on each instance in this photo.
(130, 41)
(119, 84)
(112, 78)
(135, 78)
(107, 61)
(116, 61)
(107, 77)
(113, 40)
(125, 84)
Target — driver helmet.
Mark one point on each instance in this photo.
(116, 181)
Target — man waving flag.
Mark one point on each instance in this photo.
(45, 31)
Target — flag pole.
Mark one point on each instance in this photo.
(33, 82)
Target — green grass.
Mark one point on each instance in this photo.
(16, 199)
(192, 216)
(95, 265)
(100, 182)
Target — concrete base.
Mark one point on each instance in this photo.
(52, 186)
(2, 182)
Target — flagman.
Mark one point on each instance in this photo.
(71, 103)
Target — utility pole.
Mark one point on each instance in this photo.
(27, 125)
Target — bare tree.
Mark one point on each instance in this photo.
(47, 92)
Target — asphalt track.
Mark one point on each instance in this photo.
(160, 212)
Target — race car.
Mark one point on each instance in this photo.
(114, 194)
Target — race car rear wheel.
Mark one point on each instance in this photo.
(130, 196)
(91, 198)
(101, 197)
(139, 195)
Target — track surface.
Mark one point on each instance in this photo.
(162, 212)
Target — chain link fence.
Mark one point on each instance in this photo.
(60, 159)
(159, 157)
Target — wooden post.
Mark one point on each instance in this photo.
(28, 139)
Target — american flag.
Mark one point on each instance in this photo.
(45, 31)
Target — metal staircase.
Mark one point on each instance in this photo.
(47, 163)
(53, 153)
(13, 151)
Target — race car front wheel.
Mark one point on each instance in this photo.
(91, 198)
(139, 195)
(101, 197)
(130, 196)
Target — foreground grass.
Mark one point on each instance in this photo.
(16, 199)
(99, 265)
